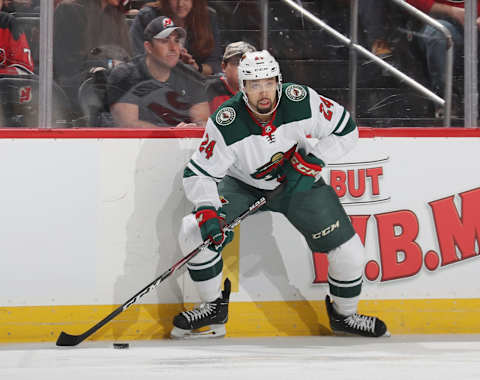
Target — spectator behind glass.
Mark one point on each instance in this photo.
(375, 18)
(432, 42)
(7, 6)
(202, 47)
(152, 91)
(79, 27)
(221, 88)
(15, 54)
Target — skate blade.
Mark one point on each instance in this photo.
(215, 331)
(343, 333)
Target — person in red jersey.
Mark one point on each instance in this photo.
(15, 54)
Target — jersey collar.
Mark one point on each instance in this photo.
(267, 128)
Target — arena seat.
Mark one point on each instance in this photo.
(92, 98)
(19, 96)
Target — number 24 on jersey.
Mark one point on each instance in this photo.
(207, 146)
(324, 108)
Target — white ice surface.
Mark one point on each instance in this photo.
(455, 357)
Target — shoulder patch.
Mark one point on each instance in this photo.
(295, 93)
(225, 116)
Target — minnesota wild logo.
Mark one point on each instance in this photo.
(295, 92)
(273, 168)
(225, 116)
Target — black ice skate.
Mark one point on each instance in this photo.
(355, 324)
(206, 320)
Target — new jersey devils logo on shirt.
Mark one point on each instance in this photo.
(25, 95)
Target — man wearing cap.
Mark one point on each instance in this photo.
(219, 89)
(152, 90)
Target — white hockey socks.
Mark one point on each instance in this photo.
(206, 267)
(345, 269)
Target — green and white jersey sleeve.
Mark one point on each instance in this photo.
(206, 168)
(332, 125)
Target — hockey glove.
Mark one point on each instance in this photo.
(300, 172)
(210, 227)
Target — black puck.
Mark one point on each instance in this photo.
(121, 345)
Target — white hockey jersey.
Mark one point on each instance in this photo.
(237, 145)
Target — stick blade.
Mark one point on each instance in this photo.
(65, 339)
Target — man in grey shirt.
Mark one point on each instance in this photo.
(153, 90)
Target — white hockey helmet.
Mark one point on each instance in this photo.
(259, 65)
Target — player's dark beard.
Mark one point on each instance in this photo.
(264, 110)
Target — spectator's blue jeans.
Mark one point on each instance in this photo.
(434, 45)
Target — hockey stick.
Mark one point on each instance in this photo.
(65, 339)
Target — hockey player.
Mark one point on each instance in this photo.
(253, 143)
